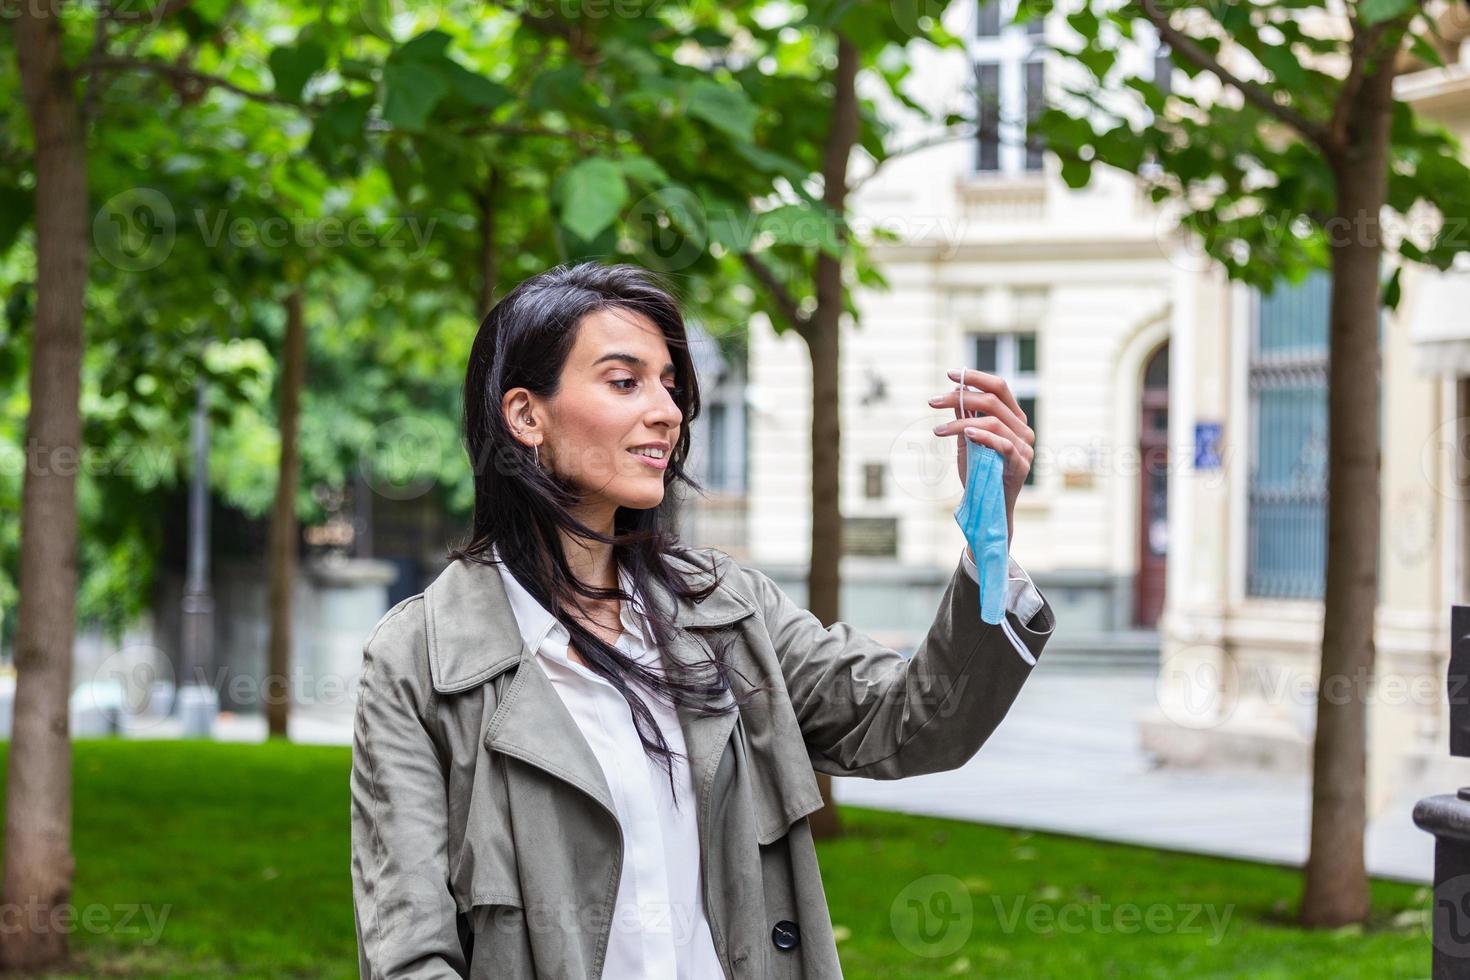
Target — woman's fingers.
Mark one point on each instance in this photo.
(992, 383)
(1000, 405)
(988, 430)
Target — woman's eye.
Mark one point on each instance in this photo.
(676, 390)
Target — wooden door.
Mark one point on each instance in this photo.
(1153, 491)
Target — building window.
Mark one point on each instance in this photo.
(873, 481)
(1287, 499)
(719, 446)
(1013, 357)
(1010, 86)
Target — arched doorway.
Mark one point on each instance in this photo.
(1153, 490)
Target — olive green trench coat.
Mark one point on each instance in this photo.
(484, 836)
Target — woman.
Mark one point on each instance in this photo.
(620, 789)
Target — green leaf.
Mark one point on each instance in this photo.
(472, 87)
(802, 225)
(557, 88)
(732, 226)
(1097, 59)
(1283, 66)
(1084, 22)
(356, 68)
(15, 213)
(338, 134)
(725, 109)
(767, 162)
(414, 89)
(428, 46)
(1371, 12)
(708, 37)
(1427, 52)
(293, 65)
(591, 195)
(1076, 172)
(1393, 291)
(1235, 19)
(402, 173)
(643, 169)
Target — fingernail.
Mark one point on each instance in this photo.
(934, 400)
(955, 375)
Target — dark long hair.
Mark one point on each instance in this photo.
(521, 508)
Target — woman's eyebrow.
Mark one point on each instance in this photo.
(632, 360)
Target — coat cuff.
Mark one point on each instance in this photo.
(1022, 596)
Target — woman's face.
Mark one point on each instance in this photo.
(616, 395)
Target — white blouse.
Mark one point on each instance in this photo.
(659, 928)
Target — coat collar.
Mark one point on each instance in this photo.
(473, 636)
(537, 623)
(473, 633)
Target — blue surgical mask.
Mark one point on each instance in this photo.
(981, 515)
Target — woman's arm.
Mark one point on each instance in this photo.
(404, 911)
(865, 710)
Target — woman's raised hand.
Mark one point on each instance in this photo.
(993, 418)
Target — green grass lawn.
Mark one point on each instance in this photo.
(202, 859)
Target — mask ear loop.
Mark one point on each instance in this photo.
(965, 433)
(963, 413)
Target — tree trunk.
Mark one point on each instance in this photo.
(1336, 882)
(283, 531)
(38, 857)
(824, 344)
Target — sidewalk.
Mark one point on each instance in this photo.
(1066, 759)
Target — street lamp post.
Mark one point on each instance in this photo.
(1447, 817)
(197, 702)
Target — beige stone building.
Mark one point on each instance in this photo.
(1176, 509)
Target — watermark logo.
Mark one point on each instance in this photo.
(933, 915)
(400, 461)
(135, 230)
(672, 224)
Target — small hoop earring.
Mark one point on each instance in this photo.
(536, 453)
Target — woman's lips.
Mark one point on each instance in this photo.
(658, 464)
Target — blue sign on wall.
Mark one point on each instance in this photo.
(1207, 445)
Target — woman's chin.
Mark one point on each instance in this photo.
(640, 498)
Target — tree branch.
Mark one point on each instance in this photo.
(164, 10)
(189, 83)
(1254, 93)
(520, 129)
(99, 44)
(785, 302)
(1365, 46)
(551, 25)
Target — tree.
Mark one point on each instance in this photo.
(38, 859)
(1291, 167)
(63, 103)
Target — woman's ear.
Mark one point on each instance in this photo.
(520, 415)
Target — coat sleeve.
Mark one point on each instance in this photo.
(404, 912)
(866, 710)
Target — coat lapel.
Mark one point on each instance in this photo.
(473, 638)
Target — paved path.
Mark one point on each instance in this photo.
(1067, 759)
